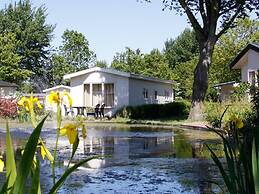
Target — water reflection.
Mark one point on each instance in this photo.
(123, 147)
(134, 161)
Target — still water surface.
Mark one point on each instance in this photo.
(140, 160)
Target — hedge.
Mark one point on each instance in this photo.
(175, 109)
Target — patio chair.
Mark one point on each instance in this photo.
(67, 111)
(97, 111)
(102, 110)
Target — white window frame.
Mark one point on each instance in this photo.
(110, 93)
(255, 78)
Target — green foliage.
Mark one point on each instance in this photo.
(75, 50)
(255, 164)
(237, 173)
(241, 91)
(27, 159)
(181, 54)
(228, 46)
(152, 64)
(183, 76)
(9, 60)
(10, 159)
(102, 64)
(29, 164)
(177, 109)
(241, 149)
(33, 35)
(182, 49)
(214, 110)
(60, 68)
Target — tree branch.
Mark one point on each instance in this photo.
(203, 14)
(193, 20)
(231, 20)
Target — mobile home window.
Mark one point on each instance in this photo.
(97, 94)
(155, 95)
(252, 77)
(145, 93)
(166, 94)
(109, 94)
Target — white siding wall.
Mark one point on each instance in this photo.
(137, 86)
(7, 91)
(253, 65)
(121, 87)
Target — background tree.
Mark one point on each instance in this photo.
(60, 67)
(210, 20)
(155, 64)
(101, 63)
(9, 60)
(181, 49)
(31, 31)
(152, 64)
(75, 49)
(129, 61)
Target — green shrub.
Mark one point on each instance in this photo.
(179, 109)
(214, 110)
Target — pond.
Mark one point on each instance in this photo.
(136, 160)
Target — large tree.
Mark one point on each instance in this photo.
(9, 60)
(29, 27)
(210, 19)
(75, 49)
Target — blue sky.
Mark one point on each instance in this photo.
(111, 25)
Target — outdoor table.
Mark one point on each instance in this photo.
(80, 109)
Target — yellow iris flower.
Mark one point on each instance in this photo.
(71, 131)
(29, 103)
(1, 165)
(59, 97)
(237, 122)
(45, 152)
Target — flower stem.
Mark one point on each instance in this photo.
(57, 138)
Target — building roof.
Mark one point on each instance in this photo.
(56, 88)
(252, 46)
(224, 84)
(115, 72)
(7, 84)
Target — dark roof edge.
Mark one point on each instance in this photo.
(7, 84)
(253, 46)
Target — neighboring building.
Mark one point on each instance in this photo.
(224, 90)
(7, 89)
(248, 62)
(54, 89)
(117, 89)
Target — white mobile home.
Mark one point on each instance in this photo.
(248, 62)
(117, 89)
(54, 89)
(7, 89)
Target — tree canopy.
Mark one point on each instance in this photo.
(75, 49)
(181, 49)
(33, 35)
(210, 20)
(9, 60)
(151, 64)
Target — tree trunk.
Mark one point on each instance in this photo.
(201, 75)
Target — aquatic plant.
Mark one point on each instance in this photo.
(240, 167)
(29, 163)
